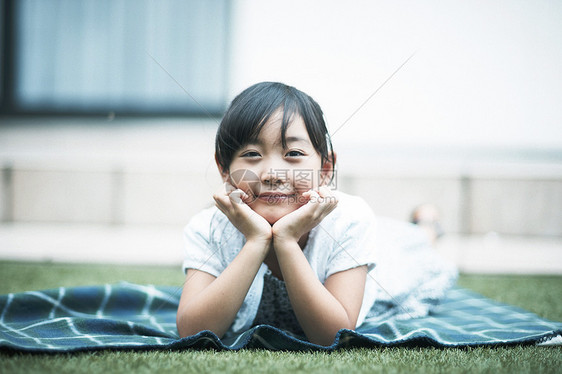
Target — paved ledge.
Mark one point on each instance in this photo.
(76, 243)
(503, 254)
(163, 245)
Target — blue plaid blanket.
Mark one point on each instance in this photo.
(133, 317)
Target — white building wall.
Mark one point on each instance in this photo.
(482, 73)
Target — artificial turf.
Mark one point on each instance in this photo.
(539, 294)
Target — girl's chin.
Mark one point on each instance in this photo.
(273, 214)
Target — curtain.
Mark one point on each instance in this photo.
(121, 55)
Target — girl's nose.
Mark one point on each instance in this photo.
(273, 175)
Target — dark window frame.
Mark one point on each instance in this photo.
(8, 71)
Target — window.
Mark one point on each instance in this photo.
(124, 56)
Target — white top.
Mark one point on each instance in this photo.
(343, 240)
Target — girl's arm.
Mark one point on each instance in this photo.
(211, 303)
(322, 309)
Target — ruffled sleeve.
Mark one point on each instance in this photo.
(352, 237)
(200, 250)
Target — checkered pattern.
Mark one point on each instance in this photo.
(134, 317)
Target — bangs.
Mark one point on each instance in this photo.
(254, 107)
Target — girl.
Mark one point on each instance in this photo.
(280, 247)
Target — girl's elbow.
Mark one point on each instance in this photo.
(347, 323)
(328, 336)
(182, 326)
(187, 327)
(326, 339)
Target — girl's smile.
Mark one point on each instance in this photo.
(275, 197)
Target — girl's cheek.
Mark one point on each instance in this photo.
(303, 186)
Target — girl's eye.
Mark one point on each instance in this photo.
(294, 153)
(250, 154)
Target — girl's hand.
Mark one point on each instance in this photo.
(295, 224)
(232, 202)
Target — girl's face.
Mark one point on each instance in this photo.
(275, 177)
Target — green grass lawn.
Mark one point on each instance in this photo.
(539, 294)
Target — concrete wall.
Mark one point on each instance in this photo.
(162, 174)
(469, 204)
(105, 196)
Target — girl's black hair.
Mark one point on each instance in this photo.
(251, 109)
